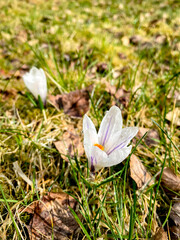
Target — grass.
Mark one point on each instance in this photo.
(68, 39)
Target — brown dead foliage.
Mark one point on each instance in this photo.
(174, 95)
(6, 94)
(170, 180)
(70, 144)
(121, 95)
(150, 138)
(74, 104)
(160, 235)
(135, 40)
(52, 217)
(175, 214)
(17, 72)
(102, 68)
(160, 39)
(175, 233)
(122, 56)
(139, 173)
(174, 116)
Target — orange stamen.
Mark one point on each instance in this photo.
(99, 146)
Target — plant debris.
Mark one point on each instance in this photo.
(175, 233)
(174, 116)
(6, 94)
(52, 217)
(175, 214)
(121, 95)
(170, 180)
(139, 173)
(102, 68)
(160, 39)
(135, 40)
(151, 138)
(70, 144)
(160, 235)
(74, 104)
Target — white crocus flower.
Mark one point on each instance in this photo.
(109, 146)
(35, 81)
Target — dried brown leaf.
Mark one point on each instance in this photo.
(74, 104)
(70, 144)
(121, 95)
(175, 213)
(170, 180)
(160, 39)
(174, 95)
(174, 116)
(6, 94)
(151, 136)
(160, 235)
(135, 40)
(51, 215)
(175, 233)
(139, 173)
(102, 67)
(122, 56)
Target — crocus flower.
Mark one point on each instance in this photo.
(35, 81)
(110, 146)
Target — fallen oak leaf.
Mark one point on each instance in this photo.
(175, 213)
(170, 180)
(51, 216)
(139, 173)
(70, 144)
(74, 104)
(175, 216)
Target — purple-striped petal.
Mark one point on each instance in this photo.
(113, 159)
(111, 123)
(96, 159)
(90, 135)
(118, 156)
(121, 139)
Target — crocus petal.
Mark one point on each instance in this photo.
(111, 123)
(42, 85)
(97, 159)
(90, 135)
(36, 82)
(30, 83)
(121, 140)
(116, 157)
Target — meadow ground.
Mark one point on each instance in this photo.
(129, 45)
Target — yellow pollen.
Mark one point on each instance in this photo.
(99, 146)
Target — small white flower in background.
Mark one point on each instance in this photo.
(35, 81)
(109, 146)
